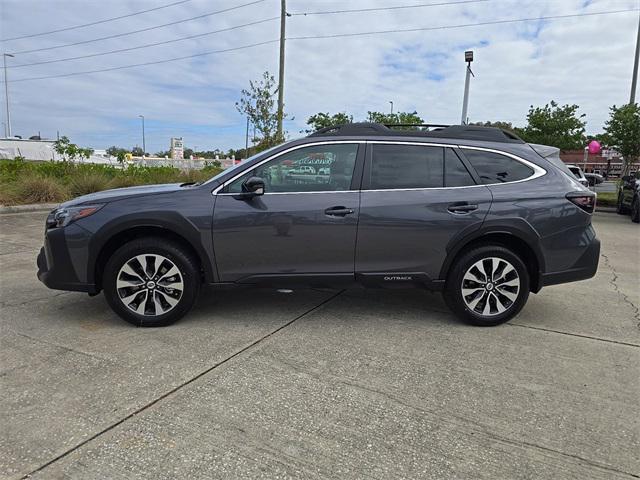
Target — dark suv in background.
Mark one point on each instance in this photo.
(472, 211)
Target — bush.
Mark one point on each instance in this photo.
(8, 193)
(38, 189)
(88, 182)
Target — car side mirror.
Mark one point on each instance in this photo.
(253, 187)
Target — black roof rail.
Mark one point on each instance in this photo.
(461, 132)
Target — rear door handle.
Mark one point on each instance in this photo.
(462, 207)
(338, 211)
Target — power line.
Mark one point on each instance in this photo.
(444, 27)
(122, 67)
(124, 34)
(463, 25)
(397, 7)
(98, 22)
(128, 49)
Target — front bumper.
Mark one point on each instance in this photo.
(62, 261)
(585, 267)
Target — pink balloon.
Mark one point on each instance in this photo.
(594, 147)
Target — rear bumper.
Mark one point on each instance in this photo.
(585, 267)
(55, 261)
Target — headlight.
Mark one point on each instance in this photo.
(64, 216)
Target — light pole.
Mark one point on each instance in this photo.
(634, 79)
(6, 93)
(144, 145)
(391, 102)
(280, 114)
(468, 57)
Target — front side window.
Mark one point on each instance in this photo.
(316, 168)
(396, 166)
(496, 168)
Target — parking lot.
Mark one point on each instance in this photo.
(321, 384)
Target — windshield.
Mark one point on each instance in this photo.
(238, 166)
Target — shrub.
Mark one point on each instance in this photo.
(8, 193)
(88, 182)
(38, 189)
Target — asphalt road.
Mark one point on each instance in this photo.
(314, 384)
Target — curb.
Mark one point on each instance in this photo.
(35, 207)
(605, 209)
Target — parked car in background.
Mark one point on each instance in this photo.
(629, 196)
(473, 212)
(594, 179)
(577, 172)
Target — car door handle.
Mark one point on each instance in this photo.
(338, 211)
(462, 207)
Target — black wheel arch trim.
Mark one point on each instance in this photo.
(171, 221)
(518, 228)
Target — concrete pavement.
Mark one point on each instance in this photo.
(318, 384)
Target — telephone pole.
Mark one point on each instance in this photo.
(634, 79)
(283, 22)
(6, 94)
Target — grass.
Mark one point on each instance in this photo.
(607, 199)
(23, 182)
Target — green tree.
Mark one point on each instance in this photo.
(259, 104)
(622, 132)
(407, 118)
(323, 120)
(70, 151)
(498, 124)
(557, 126)
(138, 152)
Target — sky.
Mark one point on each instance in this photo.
(584, 60)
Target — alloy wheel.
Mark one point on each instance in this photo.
(150, 284)
(490, 286)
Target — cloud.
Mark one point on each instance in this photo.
(585, 60)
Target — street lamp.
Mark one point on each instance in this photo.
(6, 93)
(144, 145)
(468, 57)
(391, 106)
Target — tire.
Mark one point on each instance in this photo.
(635, 210)
(507, 294)
(620, 208)
(151, 300)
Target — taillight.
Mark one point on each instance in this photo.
(586, 202)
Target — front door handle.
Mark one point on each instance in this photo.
(462, 207)
(338, 211)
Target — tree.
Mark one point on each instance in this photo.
(323, 120)
(138, 152)
(395, 118)
(498, 124)
(259, 104)
(556, 126)
(70, 151)
(622, 132)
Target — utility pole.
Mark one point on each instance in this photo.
(246, 141)
(468, 57)
(391, 102)
(144, 144)
(283, 22)
(6, 93)
(634, 79)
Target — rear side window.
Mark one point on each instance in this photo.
(495, 168)
(406, 166)
(455, 173)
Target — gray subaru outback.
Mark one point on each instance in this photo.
(473, 212)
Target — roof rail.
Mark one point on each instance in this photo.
(461, 132)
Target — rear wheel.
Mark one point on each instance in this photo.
(487, 286)
(635, 210)
(151, 282)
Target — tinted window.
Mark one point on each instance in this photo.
(455, 173)
(496, 168)
(309, 169)
(406, 166)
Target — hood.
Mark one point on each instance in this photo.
(121, 193)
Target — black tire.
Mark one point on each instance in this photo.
(153, 248)
(455, 300)
(635, 210)
(620, 208)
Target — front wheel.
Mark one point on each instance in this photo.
(635, 210)
(620, 208)
(487, 286)
(151, 282)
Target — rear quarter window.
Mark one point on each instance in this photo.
(496, 168)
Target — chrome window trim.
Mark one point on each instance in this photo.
(537, 170)
(297, 147)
